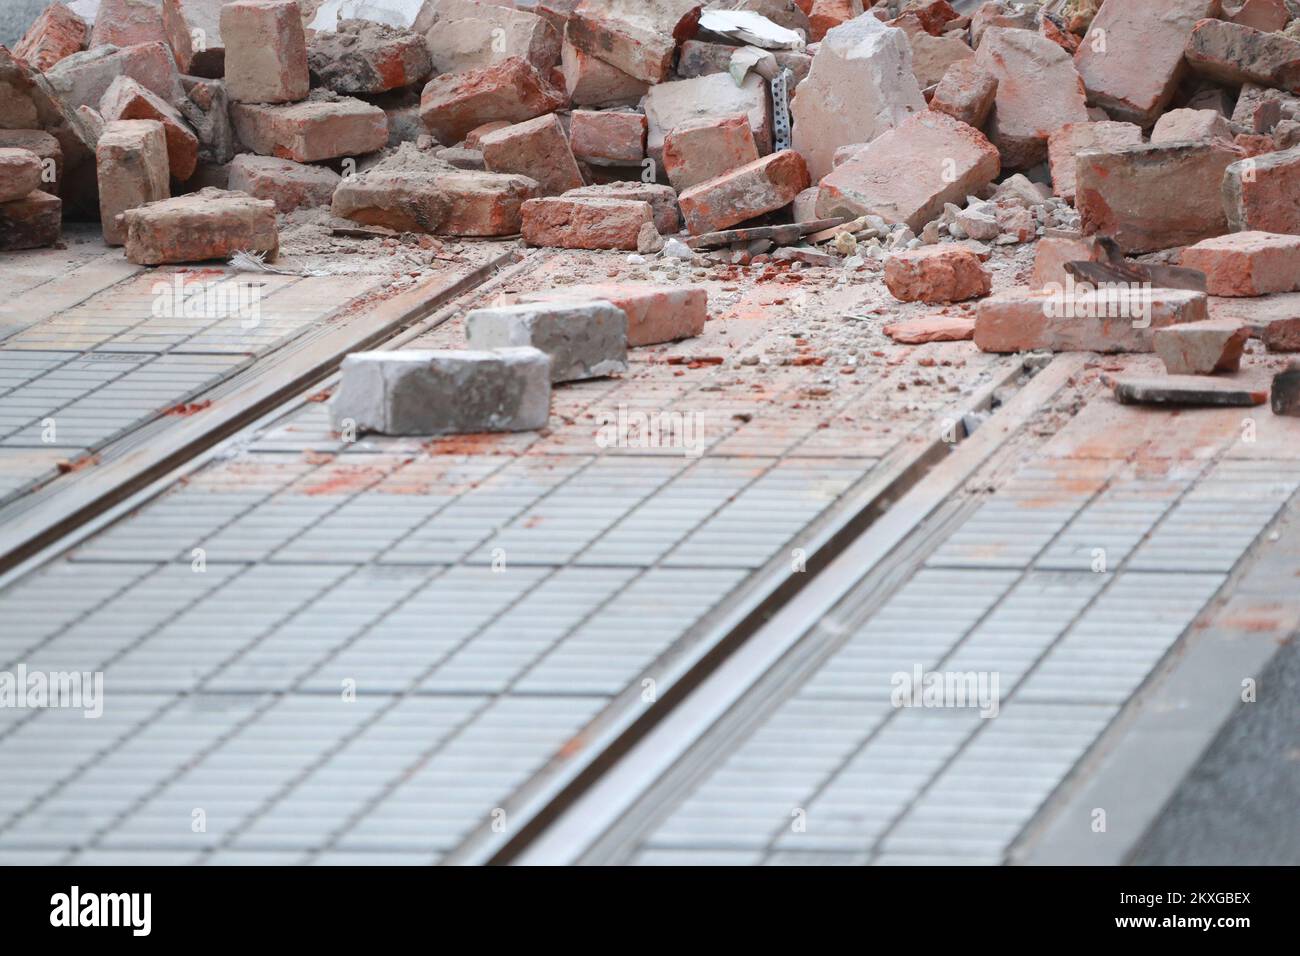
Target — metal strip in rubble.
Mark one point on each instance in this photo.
(580, 819)
(568, 794)
(139, 459)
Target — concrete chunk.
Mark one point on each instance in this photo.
(670, 105)
(417, 392)
(861, 85)
(469, 35)
(1201, 348)
(583, 339)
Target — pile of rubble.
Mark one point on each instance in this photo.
(910, 138)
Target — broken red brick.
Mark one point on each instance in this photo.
(1118, 319)
(1131, 60)
(20, 173)
(31, 222)
(1201, 348)
(1282, 335)
(669, 105)
(825, 15)
(966, 93)
(762, 186)
(609, 137)
(208, 224)
(704, 149)
(638, 37)
(1237, 54)
(127, 22)
(128, 100)
(1266, 15)
(469, 35)
(193, 30)
(1191, 126)
(512, 90)
(1038, 93)
(473, 137)
(461, 203)
(945, 159)
(324, 127)
(131, 162)
(1247, 263)
(366, 57)
(662, 199)
(1068, 141)
(591, 81)
(1259, 193)
(1154, 197)
(572, 223)
(266, 51)
(288, 184)
(655, 314)
(1053, 252)
(55, 34)
(536, 148)
(937, 275)
(939, 328)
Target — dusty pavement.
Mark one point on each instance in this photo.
(404, 415)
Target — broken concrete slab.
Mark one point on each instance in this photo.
(669, 105)
(946, 161)
(1154, 197)
(1131, 59)
(1188, 390)
(512, 90)
(662, 199)
(209, 224)
(326, 126)
(131, 160)
(655, 313)
(1247, 263)
(1064, 145)
(20, 173)
(1262, 193)
(54, 35)
(1201, 348)
(467, 35)
(1039, 91)
(966, 93)
(610, 137)
(704, 149)
(1081, 318)
(638, 37)
(32, 222)
(288, 184)
(860, 86)
(765, 185)
(1233, 53)
(266, 51)
(537, 148)
(583, 339)
(576, 223)
(937, 275)
(418, 392)
(193, 29)
(365, 57)
(126, 99)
